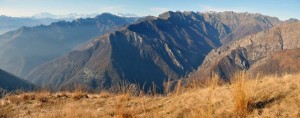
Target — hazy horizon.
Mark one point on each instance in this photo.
(25, 8)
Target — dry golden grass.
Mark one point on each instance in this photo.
(241, 92)
(270, 96)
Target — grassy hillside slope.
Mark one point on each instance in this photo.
(268, 96)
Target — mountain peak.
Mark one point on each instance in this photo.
(106, 15)
(169, 14)
(44, 15)
(292, 20)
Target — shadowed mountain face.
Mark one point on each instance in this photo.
(271, 51)
(26, 48)
(10, 83)
(152, 50)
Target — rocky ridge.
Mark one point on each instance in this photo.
(257, 53)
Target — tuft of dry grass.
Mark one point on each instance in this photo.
(212, 84)
(241, 94)
(268, 96)
(125, 87)
(154, 89)
(3, 92)
(178, 87)
(79, 95)
(167, 87)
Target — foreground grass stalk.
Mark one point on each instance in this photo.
(177, 88)
(241, 94)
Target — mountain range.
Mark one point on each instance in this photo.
(28, 47)
(8, 23)
(154, 49)
(67, 17)
(108, 50)
(74, 16)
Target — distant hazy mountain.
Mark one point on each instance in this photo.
(67, 17)
(268, 52)
(12, 23)
(28, 47)
(291, 20)
(73, 16)
(127, 15)
(10, 82)
(152, 50)
(44, 15)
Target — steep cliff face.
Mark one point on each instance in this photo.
(258, 53)
(152, 50)
(28, 47)
(233, 26)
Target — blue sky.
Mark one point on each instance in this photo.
(282, 9)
